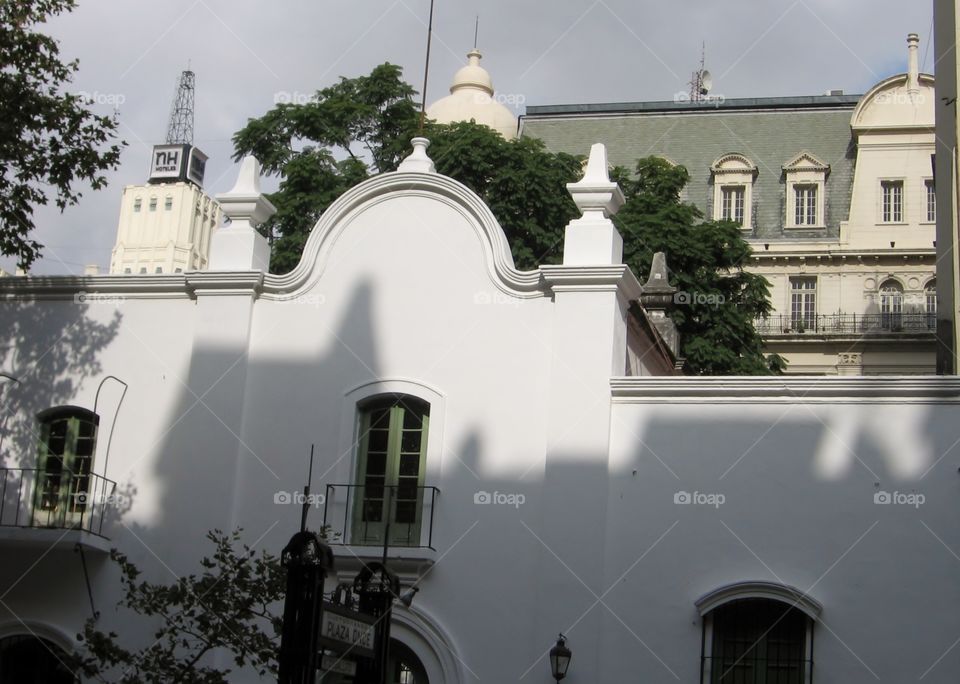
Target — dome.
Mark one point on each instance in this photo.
(472, 98)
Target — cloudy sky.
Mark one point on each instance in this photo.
(248, 55)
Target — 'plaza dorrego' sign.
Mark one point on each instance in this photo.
(346, 631)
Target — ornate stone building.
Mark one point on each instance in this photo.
(835, 193)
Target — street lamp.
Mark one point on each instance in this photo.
(560, 659)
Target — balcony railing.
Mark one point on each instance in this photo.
(31, 497)
(367, 515)
(848, 324)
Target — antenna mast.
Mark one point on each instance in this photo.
(701, 81)
(426, 71)
(180, 130)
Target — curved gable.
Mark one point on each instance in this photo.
(400, 195)
(891, 105)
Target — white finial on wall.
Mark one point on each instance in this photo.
(418, 161)
(238, 246)
(592, 239)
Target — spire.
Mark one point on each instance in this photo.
(913, 63)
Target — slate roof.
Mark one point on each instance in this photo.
(769, 131)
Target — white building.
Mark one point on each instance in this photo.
(472, 98)
(165, 225)
(674, 529)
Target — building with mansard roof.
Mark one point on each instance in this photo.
(835, 194)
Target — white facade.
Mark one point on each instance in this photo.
(472, 98)
(164, 228)
(625, 512)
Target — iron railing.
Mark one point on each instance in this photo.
(847, 324)
(363, 515)
(56, 499)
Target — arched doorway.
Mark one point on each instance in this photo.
(27, 659)
(404, 668)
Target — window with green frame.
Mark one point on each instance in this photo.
(388, 500)
(68, 440)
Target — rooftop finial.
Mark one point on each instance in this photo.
(418, 161)
(913, 63)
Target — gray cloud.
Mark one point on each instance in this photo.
(245, 53)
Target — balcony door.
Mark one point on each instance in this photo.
(68, 438)
(891, 305)
(391, 469)
(803, 303)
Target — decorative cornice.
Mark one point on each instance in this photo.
(617, 278)
(225, 283)
(172, 285)
(761, 590)
(787, 389)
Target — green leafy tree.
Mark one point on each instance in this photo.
(229, 607)
(49, 140)
(717, 300)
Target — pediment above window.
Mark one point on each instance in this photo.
(806, 162)
(734, 163)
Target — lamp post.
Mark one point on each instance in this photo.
(377, 588)
(560, 659)
(307, 560)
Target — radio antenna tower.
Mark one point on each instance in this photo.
(702, 81)
(180, 131)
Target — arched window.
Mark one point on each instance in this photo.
(930, 304)
(891, 305)
(405, 667)
(758, 641)
(392, 445)
(26, 659)
(68, 440)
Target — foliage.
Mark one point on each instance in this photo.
(718, 301)
(226, 607)
(49, 139)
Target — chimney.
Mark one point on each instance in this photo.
(913, 63)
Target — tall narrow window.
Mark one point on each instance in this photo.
(891, 305)
(759, 641)
(167, 203)
(392, 450)
(137, 204)
(153, 204)
(803, 303)
(805, 205)
(731, 207)
(892, 210)
(931, 191)
(930, 304)
(68, 439)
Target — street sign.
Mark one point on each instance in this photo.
(338, 664)
(347, 631)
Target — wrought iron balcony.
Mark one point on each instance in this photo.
(368, 515)
(848, 324)
(61, 499)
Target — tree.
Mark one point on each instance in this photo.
(49, 139)
(717, 301)
(524, 184)
(228, 607)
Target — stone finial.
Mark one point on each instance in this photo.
(418, 161)
(238, 246)
(657, 297)
(595, 195)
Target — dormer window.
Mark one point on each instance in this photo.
(733, 177)
(806, 178)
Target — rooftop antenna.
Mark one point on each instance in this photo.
(476, 32)
(702, 82)
(180, 130)
(426, 72)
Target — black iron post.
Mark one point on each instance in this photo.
(307, 560)
(376, 588)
